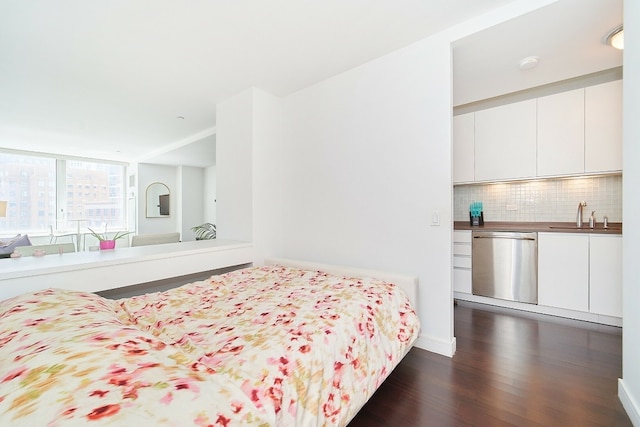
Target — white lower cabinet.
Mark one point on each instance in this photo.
(462, 261)
(581, 272)
(605, 283)
(577, 272)
(563, 271)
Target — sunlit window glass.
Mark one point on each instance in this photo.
(28, 185)
(95, 194)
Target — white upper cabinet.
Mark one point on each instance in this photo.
(560, 139)
(570, 133)
(603, 127)
(463, 148)
(505, 142)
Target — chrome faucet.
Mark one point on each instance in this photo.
(579, 214)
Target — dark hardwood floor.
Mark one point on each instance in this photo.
(508, 370)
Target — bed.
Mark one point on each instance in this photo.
(283, 344)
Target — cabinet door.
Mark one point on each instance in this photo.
(506, 142)
(603, 127)
(605, 256)
(561, 134)
(563, 271)
(462, 261)
(463, 148)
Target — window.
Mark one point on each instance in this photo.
(31, 210)
(97, 207)
(19, 187)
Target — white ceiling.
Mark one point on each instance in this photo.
(108, 79)
(568, 37)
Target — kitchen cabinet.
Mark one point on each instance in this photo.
(563, 271)
(560, 139)
(505, 142)
(603, 127)
(463, 148)
(462, 261)
(605, 281)
(573, 133)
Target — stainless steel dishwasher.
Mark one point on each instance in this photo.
(505, 265)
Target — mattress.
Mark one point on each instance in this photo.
(259, 346)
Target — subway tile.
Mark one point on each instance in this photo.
(545, 200)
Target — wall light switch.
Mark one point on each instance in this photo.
(435, 218)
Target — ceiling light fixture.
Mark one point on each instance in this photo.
(528, 63)
(616, 38)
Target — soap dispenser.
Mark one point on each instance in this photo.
(592, 220)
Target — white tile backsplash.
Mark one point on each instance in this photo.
(548, 200)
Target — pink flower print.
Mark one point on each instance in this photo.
(222, 420)
(187, 384)
(8, 338)
(103, 412)
(14, 374)
(306, 348)
(34, 322)
(236, 407)
(330, 408)
(253, 393)
(355, 363)
(69, 412)
(167, 399)
(275, 394)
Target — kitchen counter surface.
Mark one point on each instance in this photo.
(557, 227)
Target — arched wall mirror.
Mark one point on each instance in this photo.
(157, 200)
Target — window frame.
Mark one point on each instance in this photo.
(61, 185)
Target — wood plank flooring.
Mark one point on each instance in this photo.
(508, 370)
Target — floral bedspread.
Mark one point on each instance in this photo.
(261, 346)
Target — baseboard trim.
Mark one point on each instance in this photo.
(435, 345)
(628, 403)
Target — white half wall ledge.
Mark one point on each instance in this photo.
(628, 403)
(435, 345)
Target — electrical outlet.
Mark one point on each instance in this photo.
(512, 207)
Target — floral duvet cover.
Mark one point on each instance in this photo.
(261, 346)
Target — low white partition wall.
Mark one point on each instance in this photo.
(102, 270)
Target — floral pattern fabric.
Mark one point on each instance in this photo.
(261, 346)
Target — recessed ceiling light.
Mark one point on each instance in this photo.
(528, 63)
(616, 38)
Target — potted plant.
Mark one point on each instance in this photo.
(206, 231)
(105, 241)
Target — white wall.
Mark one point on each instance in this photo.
(210, 192)
(629, 387)
(267, 221)
(366, 162)
(148, 174)
(248, 157)
(234, 124)
(190, 200)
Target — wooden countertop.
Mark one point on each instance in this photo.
(557, 227)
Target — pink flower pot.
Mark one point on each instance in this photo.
(107, 244)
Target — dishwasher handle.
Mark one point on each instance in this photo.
(504, 235)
